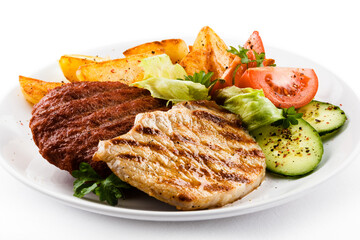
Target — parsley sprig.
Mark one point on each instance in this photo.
(242, 53)
(203, 78)
(87, 180)
(290, 117)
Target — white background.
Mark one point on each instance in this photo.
(33, 33)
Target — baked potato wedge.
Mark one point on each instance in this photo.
(209, 44)
(69, 64)
(125, 70)
(176, 49)
(196, 61)
(34, 90)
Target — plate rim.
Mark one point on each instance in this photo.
(206, 214)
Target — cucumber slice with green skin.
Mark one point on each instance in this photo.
(324, 117)
(292, 151)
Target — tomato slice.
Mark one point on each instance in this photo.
(237, 69)
(285, 87)
(255, 43)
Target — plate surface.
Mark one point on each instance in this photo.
(19, 155)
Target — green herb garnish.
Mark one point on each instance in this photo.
(259, 59)
(203, 78)
(290, 117)
(87, 180)
(242, 53)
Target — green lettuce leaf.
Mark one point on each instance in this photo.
(251, 105)
(174, 90)
(161, 79)
(162, 67)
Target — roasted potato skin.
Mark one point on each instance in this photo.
(208, 54)
(176, 49)
(196, 61)
(34, 90)
(69, 64)
(125, 70)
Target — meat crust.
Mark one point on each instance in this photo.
(69, 121)
(194, 156)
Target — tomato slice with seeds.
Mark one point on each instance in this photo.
(237, 69)
(284, 87)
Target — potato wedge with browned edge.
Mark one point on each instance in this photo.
(176, 49)
(196, 61)
(208, 47)
(125, 70)
(34, 90)
(69, 64)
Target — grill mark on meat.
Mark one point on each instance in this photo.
(177, 138)
(234, 177)
(121, 123)
(205, 172)
(243, 166)
(148, 131)
(118, 141)
(209, 162)
(153, 146)
(130, 157)
(217, 188)
(220, 121)
(177, 182)
(210, 117)
(191, 172)
(236, 137)
(201, 172)
(251, 153)
(185, 197)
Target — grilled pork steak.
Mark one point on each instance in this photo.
(194, 156)
(69, 121)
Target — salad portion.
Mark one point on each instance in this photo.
(227, 85)
(275, 103)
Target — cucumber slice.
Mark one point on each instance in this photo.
(291, 151)
(324, 117)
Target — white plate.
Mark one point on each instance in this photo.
(20, 156)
